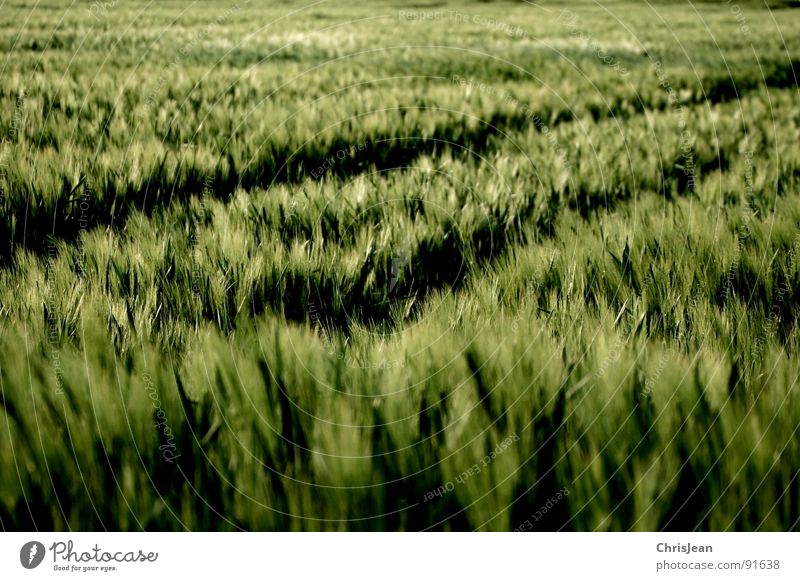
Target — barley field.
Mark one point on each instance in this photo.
(328, 266)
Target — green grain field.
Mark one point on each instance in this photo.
(381, 266)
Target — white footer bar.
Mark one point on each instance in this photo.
(390, 556)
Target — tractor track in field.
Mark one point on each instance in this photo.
(33, 227)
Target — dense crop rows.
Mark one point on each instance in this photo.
(379, 267)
